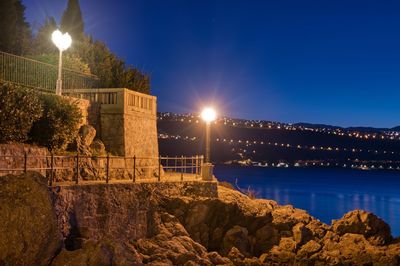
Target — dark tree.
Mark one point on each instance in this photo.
(42, 43)
(72, 21)
(15, 33)
(112, 71)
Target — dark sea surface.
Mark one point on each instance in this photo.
(326, 193)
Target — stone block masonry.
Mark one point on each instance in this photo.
(128, 120)
(116, 211)
(13, 157)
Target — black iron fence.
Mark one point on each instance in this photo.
(78, 168)
(42, 76)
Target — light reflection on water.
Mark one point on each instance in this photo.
(325, 193)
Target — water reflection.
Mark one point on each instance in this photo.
(328, 198)
(318, 203)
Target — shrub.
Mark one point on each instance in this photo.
(59, 124)
(70, 61)
(19, 109)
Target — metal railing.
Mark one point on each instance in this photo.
(78, 168)
(42, 76)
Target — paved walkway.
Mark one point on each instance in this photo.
(166, 177)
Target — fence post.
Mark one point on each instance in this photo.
(134, 169)
(25, 161)
(182, 167)
(201, 165)
(176, 165)
(197, 165)
(108, 168)
(51, 168)
(191, 165)
(77, 169)
(159, 168)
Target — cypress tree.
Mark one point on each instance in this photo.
(15, 33)
(72, 21)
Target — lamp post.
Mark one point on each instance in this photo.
(208, 115)
(62, 41)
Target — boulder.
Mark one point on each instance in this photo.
(301, 234)
(285, 217)
(288, 244)
(236, 237)
(217, 259)
(104, 252)
(374, 229)
(85, 138)
(309, 248)
(29, 234)
(266, 237)
(98, 148)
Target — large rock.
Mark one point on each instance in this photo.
(102, 253)
(266, 237)
(168, 243)
(236, 237)
(301, 234)
(375, 230)
(354, 249)
(98, 148)
(85, 138)
(28, 233)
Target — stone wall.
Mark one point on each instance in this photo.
(125, 120)
(87, 213)
(112, 132)
(141, 135)
(13, 157)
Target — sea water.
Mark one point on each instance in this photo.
(326, 193)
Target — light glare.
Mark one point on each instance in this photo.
(208, 114)
(62, 41)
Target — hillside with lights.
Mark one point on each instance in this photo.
(274, 144)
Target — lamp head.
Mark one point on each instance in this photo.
(62, 41)
(208, 114)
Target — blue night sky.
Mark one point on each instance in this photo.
(333, 62)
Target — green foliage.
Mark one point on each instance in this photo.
(72, 21)
(70, 61)
(42, 43)
(59, 124)
(85, 55)
(19, 109)
(111, 70)
(15, 33)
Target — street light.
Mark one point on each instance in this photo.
(208, 115)
(62, 41)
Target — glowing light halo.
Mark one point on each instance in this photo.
(208, 114)
(62, 41)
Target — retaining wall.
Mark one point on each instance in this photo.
(115, 211)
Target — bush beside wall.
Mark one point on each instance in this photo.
(19, 109)
(44, 119)
(59, 124)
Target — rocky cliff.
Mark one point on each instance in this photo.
(176, 224)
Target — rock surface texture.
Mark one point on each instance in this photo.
(176, 224)
(29, 232)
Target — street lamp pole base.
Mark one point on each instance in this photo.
(58, 87)
(207, 170)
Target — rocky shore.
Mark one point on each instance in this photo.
(186, 228)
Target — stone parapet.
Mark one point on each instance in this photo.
(128, 120)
